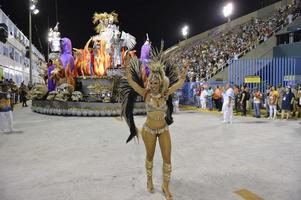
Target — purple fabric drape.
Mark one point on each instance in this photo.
(66, 53)
(51, 83)
(145, 56)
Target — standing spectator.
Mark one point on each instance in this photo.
(295, 103)
(243, 101)
(198, 94)
(280, 92)
(29, 86)
(217, 97)
(228, 104)
(290, 18)
(195, 95)
(236, 98)
(209, 98)
(287, 103)
(273, 100)
(176, 101)
(256, 100)
(248, 95)
(23, 94)
(203, 98)
(14, 89)
(267, 97)
(298, 99)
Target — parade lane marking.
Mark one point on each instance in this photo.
(247, 195)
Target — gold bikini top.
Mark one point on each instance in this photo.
(154, 104)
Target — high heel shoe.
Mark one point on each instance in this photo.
(167, 193)
(166, 179)
(149, 173)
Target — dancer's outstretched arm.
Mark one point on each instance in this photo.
(140, 90)
(180, 82)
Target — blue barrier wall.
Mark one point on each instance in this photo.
(272, 71)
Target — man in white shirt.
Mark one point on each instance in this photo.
(228, 104)
(203, 98)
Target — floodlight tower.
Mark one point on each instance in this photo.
(228, 10)
(185, 31)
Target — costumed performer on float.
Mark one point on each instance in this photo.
(145, 56)
(119, 41)
(51, 83)
(67, 60)
(161, 83)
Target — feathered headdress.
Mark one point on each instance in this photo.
(158, 60)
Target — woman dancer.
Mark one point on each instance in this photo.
(161, 83)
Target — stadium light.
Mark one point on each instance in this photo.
(185, 30)
(36, 11)
(228, 10)
(32, 7)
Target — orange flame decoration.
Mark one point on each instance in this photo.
(102, 60)
(99, 59)
(83, 61)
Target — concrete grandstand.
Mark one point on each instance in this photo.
(252, 36)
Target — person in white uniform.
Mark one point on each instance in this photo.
(228, 104)
(203, 98)
(6, 115)
(176, 100)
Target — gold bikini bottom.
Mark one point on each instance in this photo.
(155, 131)
(156, 118)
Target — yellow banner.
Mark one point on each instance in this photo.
(252, 79)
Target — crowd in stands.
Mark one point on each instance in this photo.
(210, 55)
(280, 101)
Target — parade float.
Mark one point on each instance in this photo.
(85, 82)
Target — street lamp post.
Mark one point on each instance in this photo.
(30, 51)
(32, 10)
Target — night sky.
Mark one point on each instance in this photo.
(161, 19)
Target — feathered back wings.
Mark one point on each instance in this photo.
(129, 96)
(171, 72)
